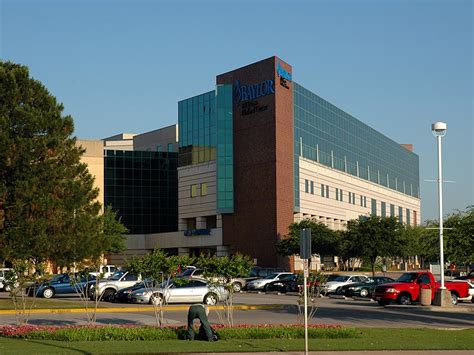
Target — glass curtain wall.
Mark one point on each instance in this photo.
(142, 186)
(330, 136)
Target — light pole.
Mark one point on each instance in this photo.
(439, 131)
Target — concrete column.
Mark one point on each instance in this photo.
(183, 251)
(222, 250)
(330, 223)
(219, 221)
(182, 225)
(200, 223)
(297, 217)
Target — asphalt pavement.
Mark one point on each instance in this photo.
(276, 309)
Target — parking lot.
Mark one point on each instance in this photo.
(271, 309)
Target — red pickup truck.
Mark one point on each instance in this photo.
(407, 288)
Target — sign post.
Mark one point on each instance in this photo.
(305, 254)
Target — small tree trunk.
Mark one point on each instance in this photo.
(373, 267)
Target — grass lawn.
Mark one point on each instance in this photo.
(40, 303)
(369, 339)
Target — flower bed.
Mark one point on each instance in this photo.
(132, 332)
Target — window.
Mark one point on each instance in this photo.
(159, 148)
(415, 220)
(170, 147)
(337, 194)
(327, 191)
(312, 187)
(323, 190)
(374, 207)
(392, 210)
(193, 190)
(306, 186)
(211, 222)
(400, 214)
(203, 189)
(383, 209)
(340, 195)
(361, 200)
(408, 216)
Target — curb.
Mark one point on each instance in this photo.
(138, 309)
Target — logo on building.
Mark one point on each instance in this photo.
(251, 92)
(285, 76)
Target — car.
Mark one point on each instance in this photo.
(342, 280)
(260, 284)
(121, 296)
(3, 276)
(194, 273)
(105, 289)
(471, 291)
(469, 277)
(193, 291)
(363, 289)
(105, 271)
(290, 284)
(258, 272)
(407, 288)
(61, 284)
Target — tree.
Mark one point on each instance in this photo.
(221, 271)
(373, 237)
(159, 268)
(50, 211)
(419, 241)
(324, 241)
(460, 236)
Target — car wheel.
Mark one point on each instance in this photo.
(156, 300)
(48, 292)
(237, 286)
(364, 292)
(210, 299)
(108, 294)
(339, 291)
(454, 298)
(265, 288)
(404, 299)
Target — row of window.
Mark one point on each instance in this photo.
(309, 188)
(400, 215)
(339, 195)
(194, 188)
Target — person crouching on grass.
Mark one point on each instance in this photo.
(199, 311)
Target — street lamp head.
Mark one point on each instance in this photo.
(439, 129)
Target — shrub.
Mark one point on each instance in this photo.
(133, 333)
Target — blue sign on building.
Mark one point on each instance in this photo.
(282, 72)
(254, 91)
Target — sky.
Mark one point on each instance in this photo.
(398, 66)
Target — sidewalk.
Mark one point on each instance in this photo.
(364, 352)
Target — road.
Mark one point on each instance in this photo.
(359, 313)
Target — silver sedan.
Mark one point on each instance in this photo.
(193, 291)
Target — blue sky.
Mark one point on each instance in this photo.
(122, 66)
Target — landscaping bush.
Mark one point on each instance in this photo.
(133, 333)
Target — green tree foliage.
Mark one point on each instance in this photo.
(460, 236)
(47, 194)
(324, 241)
(225, 268)
(420, 241)
(373, 237)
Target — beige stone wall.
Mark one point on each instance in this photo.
(334, 213)
(94, 158)
(199, 206)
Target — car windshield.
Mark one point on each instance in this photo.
(117, 275)
(187, 272)
(332, 277)
(271, 276)
(341, 278)
(407, 277)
